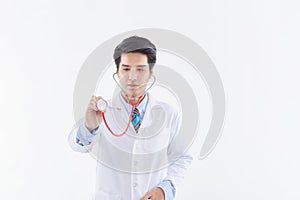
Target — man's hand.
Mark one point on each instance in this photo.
(93, 115)
(154, 194)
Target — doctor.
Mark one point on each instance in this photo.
(154, 163)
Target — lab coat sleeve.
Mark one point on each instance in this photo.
(81, 139)
(178, 155)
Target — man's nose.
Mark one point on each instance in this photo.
(133, 75)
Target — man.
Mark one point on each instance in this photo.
(147, 162)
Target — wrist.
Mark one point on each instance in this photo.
(162, 192)
(90, 128)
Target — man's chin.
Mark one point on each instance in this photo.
(133, 94)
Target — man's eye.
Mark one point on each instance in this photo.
(126, 69)
(140, 69)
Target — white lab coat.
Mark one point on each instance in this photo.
(131, 165)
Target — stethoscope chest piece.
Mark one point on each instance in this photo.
(102, 105)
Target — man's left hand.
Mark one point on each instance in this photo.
(154, 194)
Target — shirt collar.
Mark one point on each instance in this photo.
(141, 107)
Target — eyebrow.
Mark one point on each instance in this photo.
(123, 65)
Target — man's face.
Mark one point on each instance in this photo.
(134, 73)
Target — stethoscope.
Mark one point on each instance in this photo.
(102, 105)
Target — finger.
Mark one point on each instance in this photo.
(95, 98)
(92, 100)
(93, 103)
(93, 106)
(98, 98)
(146, 196)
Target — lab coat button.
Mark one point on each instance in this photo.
(135, 184)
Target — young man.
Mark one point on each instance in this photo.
(145, 163)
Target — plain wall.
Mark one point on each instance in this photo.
(254, 45)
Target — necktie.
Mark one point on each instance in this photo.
(136, 119)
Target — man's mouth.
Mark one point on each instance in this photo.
(132, 85)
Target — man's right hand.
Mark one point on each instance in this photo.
(93, 116)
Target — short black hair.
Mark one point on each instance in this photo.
(136, 44)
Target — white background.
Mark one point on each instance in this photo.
(254, 45)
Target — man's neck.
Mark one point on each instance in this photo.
(132, 100)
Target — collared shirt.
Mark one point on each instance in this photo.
(141, 107)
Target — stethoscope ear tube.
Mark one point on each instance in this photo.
(129, 121)
(154, 80)
(102, 105)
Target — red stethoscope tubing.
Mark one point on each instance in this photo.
(130, 118)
